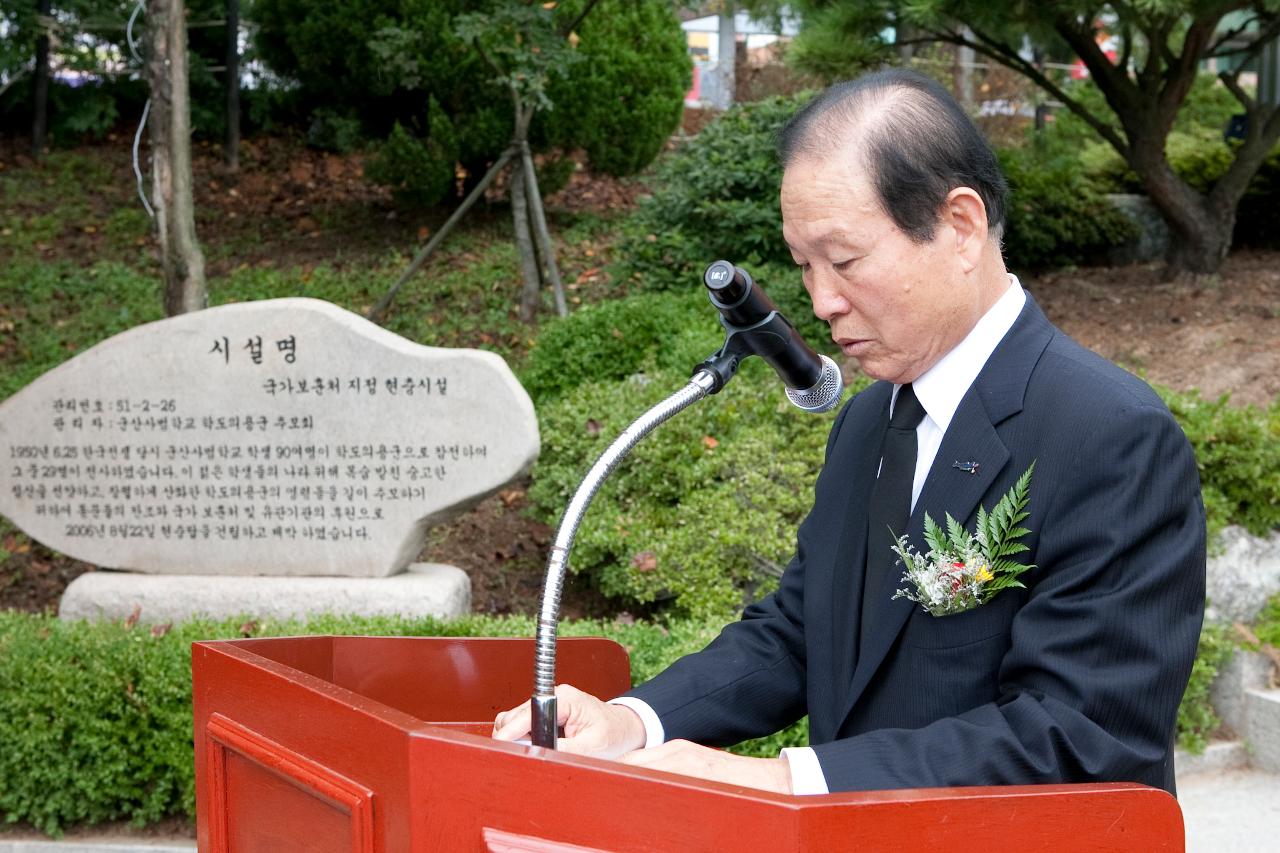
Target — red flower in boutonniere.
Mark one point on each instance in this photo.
(962, 570)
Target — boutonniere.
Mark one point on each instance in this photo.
(962, 570)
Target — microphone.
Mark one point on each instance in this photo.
(756, 327)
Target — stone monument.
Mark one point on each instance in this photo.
(282, 437)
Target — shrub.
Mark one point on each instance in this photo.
(626, 96)
(1055, 218)
(419, 171)
(716, 197)
(1238, 453)
(701, 516)
(383, 61)
(95, 723)
(616, 338)
(95, 718)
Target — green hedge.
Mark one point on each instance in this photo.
(703, 513)
(616, 338)
(95, 718)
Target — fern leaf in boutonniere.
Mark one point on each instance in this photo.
(962, 570)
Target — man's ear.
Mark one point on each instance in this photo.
(964, 211)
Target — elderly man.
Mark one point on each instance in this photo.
(892, 206)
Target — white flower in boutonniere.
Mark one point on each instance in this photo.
(962, 570)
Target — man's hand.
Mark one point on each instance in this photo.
(690, 759)
(591, 727)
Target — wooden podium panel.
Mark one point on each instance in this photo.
(381, 744)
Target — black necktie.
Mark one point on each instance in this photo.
(890, 507)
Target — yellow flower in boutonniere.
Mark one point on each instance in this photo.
(962, 570)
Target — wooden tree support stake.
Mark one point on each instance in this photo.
(378, 313)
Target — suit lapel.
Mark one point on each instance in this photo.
(995, 395)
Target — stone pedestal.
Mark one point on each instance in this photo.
(424, 589)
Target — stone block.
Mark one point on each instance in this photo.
(1242, 575)
(1217, 756)
(1263, 735)
(285, 437)
(425, 589)
(1245, 671)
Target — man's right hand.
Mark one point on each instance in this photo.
(591, 727)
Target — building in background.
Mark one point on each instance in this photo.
(718, 43)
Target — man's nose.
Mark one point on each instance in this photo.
(826, 294)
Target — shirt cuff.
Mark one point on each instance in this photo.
(653, 732)
(806, 771)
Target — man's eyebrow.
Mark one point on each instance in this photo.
(836, 237)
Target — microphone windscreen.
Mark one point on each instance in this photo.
(825, 393)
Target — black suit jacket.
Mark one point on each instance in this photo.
(1076, 678)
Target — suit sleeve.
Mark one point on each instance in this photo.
(1101, 651)
(751, 680)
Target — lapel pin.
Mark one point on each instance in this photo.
(967, 467)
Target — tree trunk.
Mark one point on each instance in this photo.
(181, 261)
(1202, 252)
(1199, 233)
(40, 93)
(231, 144)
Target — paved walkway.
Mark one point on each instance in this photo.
(1237, 811)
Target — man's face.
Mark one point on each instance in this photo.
(894, 305)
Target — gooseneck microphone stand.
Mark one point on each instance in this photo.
(754, 327)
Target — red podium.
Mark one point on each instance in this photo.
(361, 744)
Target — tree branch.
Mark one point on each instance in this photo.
(1127, 36)
(487, 61)
(1166, 52)
(1180, 72)
(1157, 35)
(1082, 37)
(1261, 137)
(1230, 79)
(1250, 52)
(577, 22)
(1003, 54)
(1272, 127)
(1228, 36)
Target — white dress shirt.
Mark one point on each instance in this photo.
(939, 390)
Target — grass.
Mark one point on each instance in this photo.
(54, 304)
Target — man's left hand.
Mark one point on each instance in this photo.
(690, 759)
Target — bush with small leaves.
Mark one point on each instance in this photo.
(716, 197)
(95, 718)
(701, 517)
(1055, 217)
(1237, 450)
